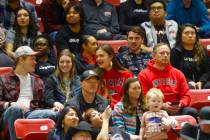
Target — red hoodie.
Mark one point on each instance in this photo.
(170, 81)
(114, 81)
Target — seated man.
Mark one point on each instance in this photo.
(101, 19)
(171, 81)
(190, 11)
(88, 97)
(158, 29)
(21, 92)
(134, 58)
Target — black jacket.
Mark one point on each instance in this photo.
(191, 70)
(131, 14)
(79, 103)
(99, 17)
(67, 39)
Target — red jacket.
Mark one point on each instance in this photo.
(170, 81)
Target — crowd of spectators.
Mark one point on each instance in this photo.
(87, 89)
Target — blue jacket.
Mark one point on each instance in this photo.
(197, 14)
(53, 92)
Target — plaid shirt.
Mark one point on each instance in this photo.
(10, 90)
(7, 15)
(134, 62)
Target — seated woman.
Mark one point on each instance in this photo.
(128, 112)
(100, 122)
(67, 118)
(191, 58)
(86, 59)
(23, 32)
(64, 83)
(45, 60)
(111, 72)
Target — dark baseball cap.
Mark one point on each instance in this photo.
(204, 115)
(88, 74)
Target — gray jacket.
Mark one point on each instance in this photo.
(171, 32)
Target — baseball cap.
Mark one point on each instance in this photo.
(204, 115)
(88, 74)
(24, 50)
(188, 132)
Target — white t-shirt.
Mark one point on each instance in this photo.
(26, 93)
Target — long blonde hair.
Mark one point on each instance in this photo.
(72, 72)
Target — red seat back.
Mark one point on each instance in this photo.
(115, 44)
(200, 98)
(24, 127)
(114, 2)
(4, 70)
(36, 136)
(181, 119)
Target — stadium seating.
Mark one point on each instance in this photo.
(200, 98)
(173, 134)
(37, 128)
(36, 136)
(115, 44)
(4, 70)
(205, 42)
(114, 2)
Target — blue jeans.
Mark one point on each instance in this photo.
(13, 113)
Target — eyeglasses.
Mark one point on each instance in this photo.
(153, 9)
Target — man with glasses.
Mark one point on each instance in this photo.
(190, 11)
(158, 29)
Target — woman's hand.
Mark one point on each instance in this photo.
(58, 107)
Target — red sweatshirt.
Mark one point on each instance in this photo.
(114, 81)
(170, 81)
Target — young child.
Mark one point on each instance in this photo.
(155, 122)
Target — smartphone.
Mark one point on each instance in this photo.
(176, 103)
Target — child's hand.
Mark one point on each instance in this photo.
(107, 113)
(165, 124)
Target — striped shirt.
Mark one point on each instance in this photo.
(124, 121)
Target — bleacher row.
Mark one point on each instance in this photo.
(37, 129)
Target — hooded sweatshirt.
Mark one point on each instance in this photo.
(170, 81)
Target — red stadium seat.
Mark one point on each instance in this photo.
(205, 42)
(4, 70)
(181, 119)
(36, 136)
(116, 44)
(200, 98)
(114, 2)
(33, 127)
(41, 26)
(35, 2)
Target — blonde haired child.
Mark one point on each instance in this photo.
(155, 122)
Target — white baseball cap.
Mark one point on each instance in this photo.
(24, 50)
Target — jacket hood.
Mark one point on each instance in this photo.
(150, 65)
